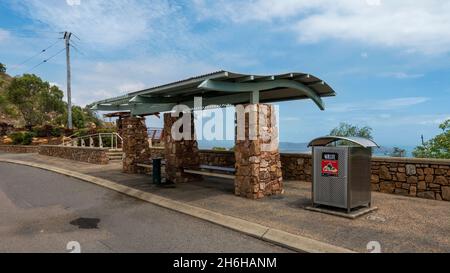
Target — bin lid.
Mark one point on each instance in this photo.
(361, 141)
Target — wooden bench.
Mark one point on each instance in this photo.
(213, 171)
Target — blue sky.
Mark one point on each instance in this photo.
(388, 61)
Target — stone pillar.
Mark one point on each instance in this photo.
(180, 154)
(258, 164)
(135, 143)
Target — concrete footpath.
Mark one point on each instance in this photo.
(401, 224)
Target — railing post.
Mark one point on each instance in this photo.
(91, 142)
(112, 141)
(100, 142)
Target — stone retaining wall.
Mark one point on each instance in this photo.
(89, 155)
(19, 149)
(217, 158)
(424, 178)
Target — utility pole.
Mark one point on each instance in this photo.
(67, 36)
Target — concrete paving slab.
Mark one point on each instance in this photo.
(352, 215)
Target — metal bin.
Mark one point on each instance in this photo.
(342, 173)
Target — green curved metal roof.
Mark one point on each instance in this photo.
(221, 88)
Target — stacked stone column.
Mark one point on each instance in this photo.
(180, 154)
(135, 143)
(258, 164)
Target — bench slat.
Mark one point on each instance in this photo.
(150, 165)
(226, 176)
(217, 168)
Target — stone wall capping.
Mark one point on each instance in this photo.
(407, 160)
(78, 147)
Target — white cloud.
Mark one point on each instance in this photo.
(73, 2)
(55, 84)
(131, 86)
(4, 35)
(403, 75)
(109, 24)
(101, 80)
(432, 120)
(413, 26)
(378, 105)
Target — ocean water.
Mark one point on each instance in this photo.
(291, 147)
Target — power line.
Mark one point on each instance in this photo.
(45, 61)
(77, 50)
(34, 56)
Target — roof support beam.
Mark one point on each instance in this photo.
(254, 97)
(146, 108)
(103, 107)
(231, 87)
(154, 100)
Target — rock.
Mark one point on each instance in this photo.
(422, 185)
(254, 159)
(426, 194)
(419, 171)
(401, 170)
(446, 193)
(428, 171)
(387, 187)
(429, 178)
(413, 191)
(401, 191)
(412, 180)
(375, 179)
(384, 173)
(401, 177)
(441, 180)
(411, 169)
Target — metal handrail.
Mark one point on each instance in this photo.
(115, 138)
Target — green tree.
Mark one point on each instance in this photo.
(438, 147)
(36, 100)
(81, 117)
(348, 130)
(2, 68)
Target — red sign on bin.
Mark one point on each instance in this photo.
(330, 168)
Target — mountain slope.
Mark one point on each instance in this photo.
(6, 109)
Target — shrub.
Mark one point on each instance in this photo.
(28, 138)
(47, 131)
(21, 138)
(17, 138)
(57, 132)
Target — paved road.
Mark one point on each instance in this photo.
(40, 212)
